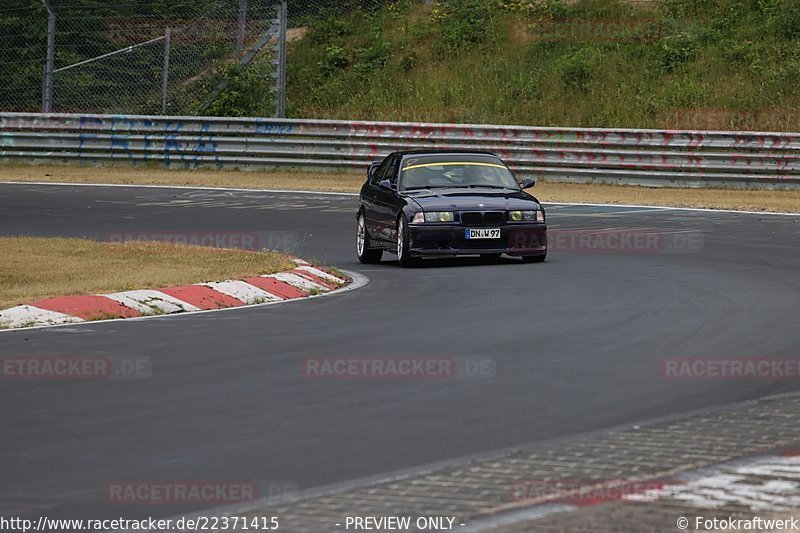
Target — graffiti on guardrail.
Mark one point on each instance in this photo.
(130, 136)
(627, 156)
(272, 128)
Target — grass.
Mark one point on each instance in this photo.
(748, 200)
(33, 268)
(696, 64)
(321, 181)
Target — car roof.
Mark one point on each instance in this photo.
(438, 151)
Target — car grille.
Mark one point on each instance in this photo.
(480, 218)
(471, 218)
(493, 218)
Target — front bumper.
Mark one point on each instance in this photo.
(448, 240)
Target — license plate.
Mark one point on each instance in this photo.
(482, 233)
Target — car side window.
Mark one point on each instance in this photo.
(391, 171)
(377, 175)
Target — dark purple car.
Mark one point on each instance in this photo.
(446, 203)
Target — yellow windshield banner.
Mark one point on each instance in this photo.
(472, 163)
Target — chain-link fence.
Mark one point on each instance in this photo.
(303, 13)
(715, 64)
(131, 56)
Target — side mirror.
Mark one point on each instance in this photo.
(371, 169)
(385, 184)
(527, 183)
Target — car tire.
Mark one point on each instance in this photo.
(403, 255)
(534, 258)
(365, 254)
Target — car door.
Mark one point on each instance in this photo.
(368, 199)
(386, 202)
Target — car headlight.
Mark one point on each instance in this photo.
(438, 216)
(523, 216)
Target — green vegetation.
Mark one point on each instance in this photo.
(202, 53)
(84, 29)
(708, 64)
(247, 91)
(670, 63)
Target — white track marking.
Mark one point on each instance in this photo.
(320, 274)
(740, 485)
(297, 281)
(22, 315)
(243, 291)
(151, 302)
(358, 281)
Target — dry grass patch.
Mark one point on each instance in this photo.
(787, 201)
(319, 181)
(33, 268)
(748, 200)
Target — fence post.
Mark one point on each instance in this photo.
(165, 70)
(241, 27)
(47, 94)
(280, 92)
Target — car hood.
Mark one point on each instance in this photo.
(471, 199)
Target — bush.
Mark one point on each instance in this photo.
(689, 8)
(686, 92)
(787, 19)
(244, 94)
(327, 31)
(576, 69)
(408, 62)
(534, 8)
(334, 60)
(464, 23)
(486, 61)
(676, 50)
(373, 58)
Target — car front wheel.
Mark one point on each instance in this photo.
(403, 255)
(365, 254)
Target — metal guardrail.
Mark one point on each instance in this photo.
(641, 157)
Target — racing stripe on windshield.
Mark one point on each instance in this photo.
(473, 163)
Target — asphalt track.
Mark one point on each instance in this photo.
(577, 345)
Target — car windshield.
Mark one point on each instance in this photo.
(456, 174)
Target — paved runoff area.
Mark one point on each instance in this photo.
(736, 469)
(232, 397)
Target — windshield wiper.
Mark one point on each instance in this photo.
(420, 187)
(480, 187)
